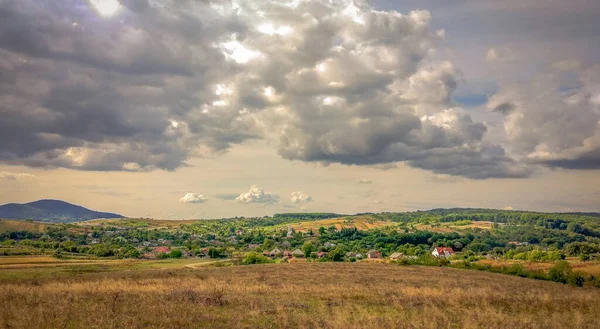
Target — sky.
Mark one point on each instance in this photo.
(208, 109)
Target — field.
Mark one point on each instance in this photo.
(591, 267)
(300, 295)
(451, 227)
(360, 222)
(23, 268)
(138, 222)
(7, 225)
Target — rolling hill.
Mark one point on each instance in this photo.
(54, 211)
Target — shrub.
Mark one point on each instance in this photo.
(254, 258)
(560, 272)
(576, 279)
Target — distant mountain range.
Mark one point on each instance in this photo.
(54, 211)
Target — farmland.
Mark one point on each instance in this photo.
(360, 222)
(342, 295)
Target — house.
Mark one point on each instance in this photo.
(266, 253)
(239, 232)
(373, 254)
(286, 244)
(329, 244)
(322, 254)
(518, 244)
(350, 254)
(298, 253)
(162, 249)
(396, 256)
(275, 252)
(287, 254)
(444, 252)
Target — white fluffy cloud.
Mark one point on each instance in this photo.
(503, 54)
(300, 197)
(14, 176)
(257, 195)
(193, 198)
(548, 126)
(149, 93)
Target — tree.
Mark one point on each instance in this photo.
(176, 253)
(308, 248)
(337, 254)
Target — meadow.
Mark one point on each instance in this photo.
(359, 222)
(298, 295)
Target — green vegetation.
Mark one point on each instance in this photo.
(474, 234)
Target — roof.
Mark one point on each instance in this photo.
(396, 255)
(162, 249)
(297, 252)
(372, 251)
(443, 250)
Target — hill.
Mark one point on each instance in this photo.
(54, 211)
(297, 295)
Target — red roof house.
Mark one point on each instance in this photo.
(443, 252)
(162, 249)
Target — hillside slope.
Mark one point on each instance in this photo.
(51, 211)
(298, 295)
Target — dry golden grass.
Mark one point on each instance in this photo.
(301, 295)
(449, 227)
(590, 267)
(7, 225)
(152, 223)
(360, 222)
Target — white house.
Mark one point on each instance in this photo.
(442, 252)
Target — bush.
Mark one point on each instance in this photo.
(254, 258)
(576, 279)
(176, 254)
(560, 272)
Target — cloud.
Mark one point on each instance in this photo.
(549, 127)
(257, 195)
(364, 181)
(500, 55)
(14, 176)
(300, 197)
(178, 80)
(193, 198)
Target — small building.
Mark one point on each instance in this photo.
(298, 253)
(162, 249)
(350, 254)
(287, 254)
(443, 252)
(275, 252)
(359, 256)
(396, 256)
(329, 244)
(373, 254)
(322, 254)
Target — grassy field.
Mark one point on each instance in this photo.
(591, 267)
(7, 225)
(299, 295)
(24, 268)
(139, 222)
(360, 222)
(450, 227)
